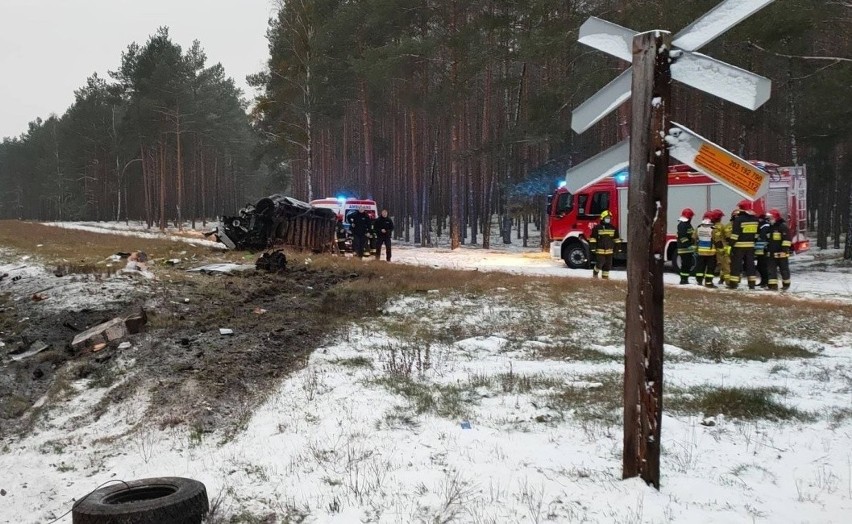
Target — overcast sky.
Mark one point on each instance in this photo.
(49, 47)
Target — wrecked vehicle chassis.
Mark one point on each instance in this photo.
(279, 220)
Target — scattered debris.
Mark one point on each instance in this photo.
(226, 331)
(35, 348)
(125, 345)
(99, 347)
(38, 297)
(173, 261)
(2, 492)
(709, 422)
(4, 275)
(274, 262)
(114, 329)
(225, 269)
(259, 311)
(465, 424)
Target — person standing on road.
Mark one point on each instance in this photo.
(778, 250)
(743, 234)
(705, 237)
(602, 244)
(360, 223)
(383, 227)
(686, 245)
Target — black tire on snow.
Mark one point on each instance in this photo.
(575, 256)
(162, 500)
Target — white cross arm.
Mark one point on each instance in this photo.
(728, 82)
(608, 37)
(598, 167)
(715, 22)
(602, 103)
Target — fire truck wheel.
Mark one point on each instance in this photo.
(575, 256)
(673, 257)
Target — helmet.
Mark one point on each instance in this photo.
(717, 214)
(708, 216)
(745, 205)
(687, 213)
(774, 214)
(605, 214)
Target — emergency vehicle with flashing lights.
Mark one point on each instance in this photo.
(571, 217)
(344, 207)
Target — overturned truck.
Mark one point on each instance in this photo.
(279, 220)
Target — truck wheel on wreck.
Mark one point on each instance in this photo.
(575, 255)
(162, 500)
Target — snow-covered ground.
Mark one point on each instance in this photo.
(378, 429)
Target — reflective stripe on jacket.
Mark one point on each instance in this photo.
(603, 238)
(743, 230)
(779, 240)
(685, 243)
(703, 236)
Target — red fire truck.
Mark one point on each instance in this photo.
(571, 217)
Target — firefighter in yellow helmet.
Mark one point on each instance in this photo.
(602, 244)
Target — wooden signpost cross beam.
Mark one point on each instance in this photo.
(657, 58)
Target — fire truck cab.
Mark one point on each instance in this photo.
(571, 217)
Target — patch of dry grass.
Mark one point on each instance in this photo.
(83, 248)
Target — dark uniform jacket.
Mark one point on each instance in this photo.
(762, 237)
(743, 230)
(360, 223)
(685, 243)
(779, 240)
(603, 238)
(383, 223)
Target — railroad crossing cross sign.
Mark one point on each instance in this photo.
(702, 72)
(658, 58)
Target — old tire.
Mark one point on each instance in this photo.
(575, 255)
(162, 500)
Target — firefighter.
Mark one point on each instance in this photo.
(741, 243)
(686, 245)
(760, 249)
(383, 227)
(778, 251)
(723, 259)
(602, 244)
(704, 238)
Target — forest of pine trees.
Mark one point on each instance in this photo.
(446, 112)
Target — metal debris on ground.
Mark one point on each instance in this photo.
(274, 262)
(106, 332)
(226, 331)
(224, 269)
(34, 349)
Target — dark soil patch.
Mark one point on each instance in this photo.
(212, 381)
(24, 323)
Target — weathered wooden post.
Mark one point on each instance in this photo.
(646, 242)
(657, 58)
